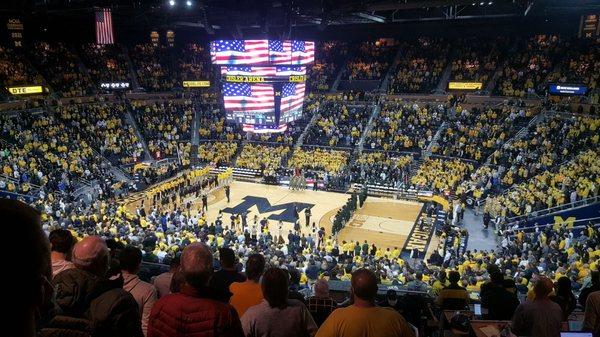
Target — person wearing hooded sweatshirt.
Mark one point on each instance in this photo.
(144, 293)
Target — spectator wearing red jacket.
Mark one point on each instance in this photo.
(192, 311)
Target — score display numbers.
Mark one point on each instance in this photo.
(264, 79)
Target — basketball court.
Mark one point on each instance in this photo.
(385, 222)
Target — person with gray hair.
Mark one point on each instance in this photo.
(321, 305)
(91, 300)
(193, 311)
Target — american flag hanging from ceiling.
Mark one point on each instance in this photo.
(104, 28)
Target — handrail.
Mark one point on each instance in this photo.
(535, 214)
(597, 224)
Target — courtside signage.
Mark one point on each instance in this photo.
(32, 89)
(465, 85)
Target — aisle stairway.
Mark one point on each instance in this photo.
(135, 85)
(131, 121)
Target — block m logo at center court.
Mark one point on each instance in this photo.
(286, 211)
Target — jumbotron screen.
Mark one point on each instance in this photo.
(262, 52)
(266, 97)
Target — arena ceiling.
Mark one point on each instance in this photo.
(280, 17)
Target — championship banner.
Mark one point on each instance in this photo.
(196, 84)
(33, 89)
(170, 38)
(15, 31)
(465, 85)
(154, 38)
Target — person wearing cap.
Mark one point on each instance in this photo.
(391, 300)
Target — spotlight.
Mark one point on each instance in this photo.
(481, 3)
(188, 3)
(490, 3)
(171, 3)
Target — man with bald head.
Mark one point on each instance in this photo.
(194, 311)
(363, 318)
(540, 317)
(86, 293)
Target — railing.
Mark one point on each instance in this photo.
(583, 224)
(535, 214)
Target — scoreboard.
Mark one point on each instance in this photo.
(263, 82)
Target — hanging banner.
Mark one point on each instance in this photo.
(154, 38)
(170, 38)
(15, 31)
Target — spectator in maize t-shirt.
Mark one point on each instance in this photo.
(248, 293)
(363, 318)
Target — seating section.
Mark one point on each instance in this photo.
(166, 126)
(14, 69)
(154, 73)
(262, 157)
(403, 126)
(440, 175)
(475, 134)
(382, 168)
(478, 58)
(328, 60)
(526, 70)
(420, 67)
(340, 124)
(370, 60)
(551, 188)
(319, 159)
(40, 150)
(217, 153)
(194, 63)
(546, 145)
(118, 141)
(60, 67)
(106, 63)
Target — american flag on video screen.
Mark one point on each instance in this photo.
(263, 71)
(104, 28)
(239, 51)
(303, 52)
(280, 52)
(292, 96)
(249, 97)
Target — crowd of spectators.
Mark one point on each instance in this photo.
(577, 179)
(153, 67)
(323, 159)
(477, 132)
(382, 168)
(14, 69)
(60, 67)
(477, 58)
(340, 124)
(526, 71)
(262, 157)
(403, 126)
(441, 175)
(166, 126)
(420, 67)
(370, 60)
(328, 58)
(194, 63)
(106, 63)
(217, 153)
(547, 144)
(579, 63)
(39, 150)
(117, 141)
